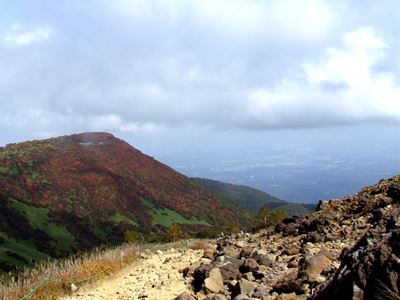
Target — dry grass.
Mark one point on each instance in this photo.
(61, 274)
(80, 270)
(199, 245)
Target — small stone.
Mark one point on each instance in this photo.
(142, 295)
(73, 288)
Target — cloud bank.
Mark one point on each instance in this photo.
(146, 66)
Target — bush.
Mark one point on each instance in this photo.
(132, 237)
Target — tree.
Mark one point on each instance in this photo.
(277, 215)
(175, 232)
(270, 217)
(263, 214)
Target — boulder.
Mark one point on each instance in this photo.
(314, 266)
(264, 260)
(199, 275)
(370, 269)
(229, 268)
(214, 283)
(288, 286)
(249, 264)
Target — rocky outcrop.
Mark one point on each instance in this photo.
(347, 249)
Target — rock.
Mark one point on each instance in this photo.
(230, 269)
(249, 264)
(393, 192)
(209, 296)
(244, 287)
(370, 269)
(199, 275)
(209, 253)
(73, 288)
(314, 237)
(241, 297)
(219, 297)
(159, 252)
(264, 260)
(261, 291)
(249, 276)
(214, 283)
(293, 263)
(142, 295)
(291, 229)
(288, 286)
(240, 244)
(314, 266)
(185, 296)
(248, 252)
(291, 296)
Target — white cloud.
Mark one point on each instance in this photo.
(18, 36)
(153, 65)
(230, 18)
(357, 93)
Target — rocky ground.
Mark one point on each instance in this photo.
(348, 249)
(154, 276)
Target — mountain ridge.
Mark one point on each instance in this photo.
(250, 198)
(69, 193)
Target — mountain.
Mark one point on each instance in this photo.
(247, 198)
(66, 194)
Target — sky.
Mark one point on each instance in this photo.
(186, 74)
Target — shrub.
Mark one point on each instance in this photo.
(132, 237)
(175, 232)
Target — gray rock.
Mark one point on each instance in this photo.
(214, 283)
(243, 286)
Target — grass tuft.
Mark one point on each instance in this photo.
(61, 274)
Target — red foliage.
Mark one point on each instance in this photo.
(95, 175)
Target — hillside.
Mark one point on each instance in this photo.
(66, 194)
(249, 198)
(348, 249)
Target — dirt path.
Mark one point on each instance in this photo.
(154, 277)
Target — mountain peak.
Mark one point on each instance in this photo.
(92, 137)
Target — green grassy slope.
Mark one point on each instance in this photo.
(247, 198)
